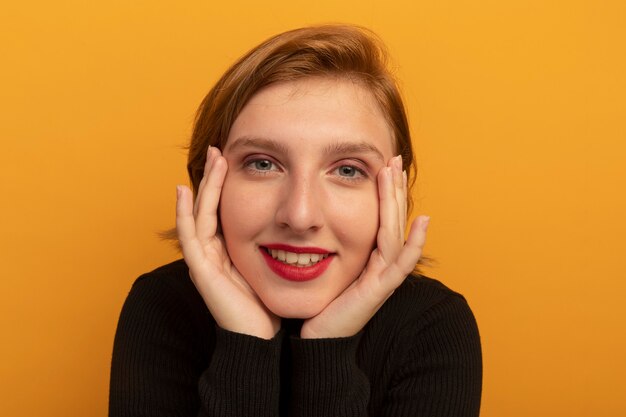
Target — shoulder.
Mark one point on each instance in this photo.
(424, 306)
(425, 345)
(167, 293)
(163, 335)
(173, 274)
(420, 296)
(171, 279)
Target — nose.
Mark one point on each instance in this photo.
(300, 208)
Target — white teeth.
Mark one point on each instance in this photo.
(298, 259)
(291, 258)
(304, 258)
(278, 254)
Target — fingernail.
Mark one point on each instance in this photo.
(179, 190)
(425, 221)
(398, 162)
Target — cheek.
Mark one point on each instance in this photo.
(355, 218)
(242, 209)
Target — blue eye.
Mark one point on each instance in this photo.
(263, 164)
(347, 171)
(350, 173)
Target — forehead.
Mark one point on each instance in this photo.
(315, 111)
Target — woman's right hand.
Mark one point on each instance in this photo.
(231, 301)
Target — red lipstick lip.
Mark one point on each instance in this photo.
(296, 273)
(296, 249)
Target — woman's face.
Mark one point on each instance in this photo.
(299, 206)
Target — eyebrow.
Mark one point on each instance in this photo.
(354, 147)
(333, 148)
(258, 142)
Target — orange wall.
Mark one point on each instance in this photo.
(518, 111)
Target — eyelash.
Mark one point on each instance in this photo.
(249, 166)
(360, 175)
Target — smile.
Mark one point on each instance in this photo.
(301, 260)
(296, 263)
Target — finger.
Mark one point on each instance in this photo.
(208, 201)
(414, 246)
(185, 225)
(400, 192)
(392, 276)
(403, 206)
(210, 154)
(388, 239)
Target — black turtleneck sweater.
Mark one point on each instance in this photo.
(418, 356)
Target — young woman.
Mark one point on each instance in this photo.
(295, 296)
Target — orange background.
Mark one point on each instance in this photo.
(517, 109)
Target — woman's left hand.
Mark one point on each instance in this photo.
(388, 266)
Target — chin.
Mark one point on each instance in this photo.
(295, 310)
